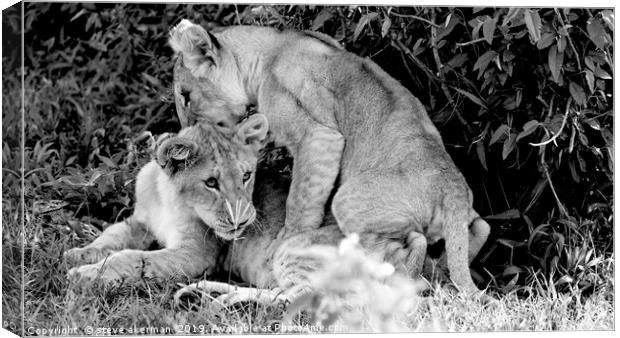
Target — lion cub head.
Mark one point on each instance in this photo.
(213, 172)
(207, 83)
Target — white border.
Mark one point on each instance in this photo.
(452, 3)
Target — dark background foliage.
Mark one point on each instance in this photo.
(522, 98)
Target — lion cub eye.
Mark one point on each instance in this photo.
(247, 176)
(211, 182)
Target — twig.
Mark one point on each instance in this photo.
(413, 78)
(570, 41)
(555, 135)
(463, 44)
(557, 199)
(416, 17)
(440, 66)
(415, 60)
(237, 15)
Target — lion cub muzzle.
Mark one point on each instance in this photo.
(239, 215)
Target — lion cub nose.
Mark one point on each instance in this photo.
(241, 223)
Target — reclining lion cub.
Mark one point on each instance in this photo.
(340, 116)
(277, 267)
(199, 186)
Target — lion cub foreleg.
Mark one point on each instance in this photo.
(186, 261)
(316, 166)
(129, 234)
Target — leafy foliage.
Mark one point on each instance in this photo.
(522, 98)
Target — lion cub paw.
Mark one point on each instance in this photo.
(80, 256)
(87, 274)
(83, 274)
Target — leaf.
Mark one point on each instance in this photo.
(45, 205)
(448, 27)
(601, 74)
(447, 20)
(597, 33)
(555, 62)
(476, 24)
(458, 60)
(576, 91)
(593, 124)
(417, 49)
(506, 215)
(608, 17)
(512, 270)
(510, 103)
(484, 60)
(471, 96)
(590, 79)
(488, 28)
(512, 13)
(510, 243)
(364, 21)
(482, 155)
(151, 79)
(519, 97)
(546, 40)
(528, 128)
(508, 55)
(533, 24)
(501, 132)
(107, 161)
(385, 27)
(509, 145)
(562, 44)
(589, 62)
(321, 18)
(76, 16)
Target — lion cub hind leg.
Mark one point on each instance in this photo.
(382, 227)
(299, 257)
(129, 234)
(479, 231)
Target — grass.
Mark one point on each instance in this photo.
(50, 304)
(449, 312)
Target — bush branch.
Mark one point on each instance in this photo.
(416, 18)
(440, 74)
(570, 41)
(555, 135)
(557, 199)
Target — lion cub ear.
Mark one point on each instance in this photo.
(195, 45)
(253, 131)
(175, 154)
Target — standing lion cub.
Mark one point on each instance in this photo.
(341, 116)
(198, 187)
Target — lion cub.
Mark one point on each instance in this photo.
(277, 267)
(356, 134)
(199, 186)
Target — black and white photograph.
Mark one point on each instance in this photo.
(255, 168)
